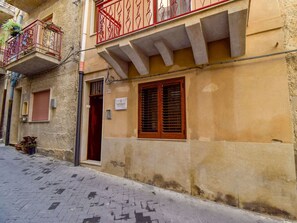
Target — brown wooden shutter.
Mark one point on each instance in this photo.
(41, 106)
(173, 109)
(161, 109)
(148, 111)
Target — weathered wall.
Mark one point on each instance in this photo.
(240, 142)
(289, 8)
(57, 136)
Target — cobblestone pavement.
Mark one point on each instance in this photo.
(44, 190)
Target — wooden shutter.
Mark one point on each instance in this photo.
(173, 109)
(162, 109)
(41, 106)
(149, 111)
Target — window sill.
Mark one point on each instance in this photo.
(158, 139)
(31, 122)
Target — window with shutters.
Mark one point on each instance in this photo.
(161, 109)
(40, 111)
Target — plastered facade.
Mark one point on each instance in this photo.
(288, 13)
(56, 136)
(241, 118)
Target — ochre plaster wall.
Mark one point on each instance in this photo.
(289, 8)
(240, 143)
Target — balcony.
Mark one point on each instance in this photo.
(6, 12)
(26, 5)
(36, 49)
(132, 31)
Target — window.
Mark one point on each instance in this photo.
(94, 17)
(170, 9)
(41, 106)
(161, 109)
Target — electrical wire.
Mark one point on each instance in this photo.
(109, 79)
(203, 66)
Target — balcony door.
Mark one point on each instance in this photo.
(95, 121)
(167, 9)
(49, 37)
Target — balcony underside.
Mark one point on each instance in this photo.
(31, 64)
(26, 5)
(190, 32)
(2, 71)
(5, 14)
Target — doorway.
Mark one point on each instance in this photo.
(95, 121)
(15, 135)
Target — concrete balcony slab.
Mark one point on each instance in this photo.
(26, 5)
(194, 31)
(6, 12)
(32, 63)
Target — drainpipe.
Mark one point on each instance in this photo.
(80, 84)
(14, 77)
(3, 107)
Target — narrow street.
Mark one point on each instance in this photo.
(44, 190)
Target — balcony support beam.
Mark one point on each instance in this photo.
(120, 66)
(198, 43)
(138, 58)
(165, 51)
(237, 29)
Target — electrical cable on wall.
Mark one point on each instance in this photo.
(110, 81)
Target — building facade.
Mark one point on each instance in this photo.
(43, 66)
(193, 96)
(196, 97)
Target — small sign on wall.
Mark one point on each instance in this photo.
(120, 104)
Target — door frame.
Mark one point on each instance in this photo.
(85, 120)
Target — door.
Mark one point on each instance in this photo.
(95, 121)
(15, 135)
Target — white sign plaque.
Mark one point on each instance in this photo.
(120, 104)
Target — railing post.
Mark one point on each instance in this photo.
(18, 45)
(38, 34)
(155, 11)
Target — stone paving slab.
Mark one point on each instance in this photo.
(38, 189)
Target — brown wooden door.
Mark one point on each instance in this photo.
(95, 128)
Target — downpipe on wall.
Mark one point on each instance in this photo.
(80, 84)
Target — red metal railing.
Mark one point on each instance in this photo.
(45, 38)
(116, 18)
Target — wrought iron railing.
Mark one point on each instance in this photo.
(116, 18)
(45, 38)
